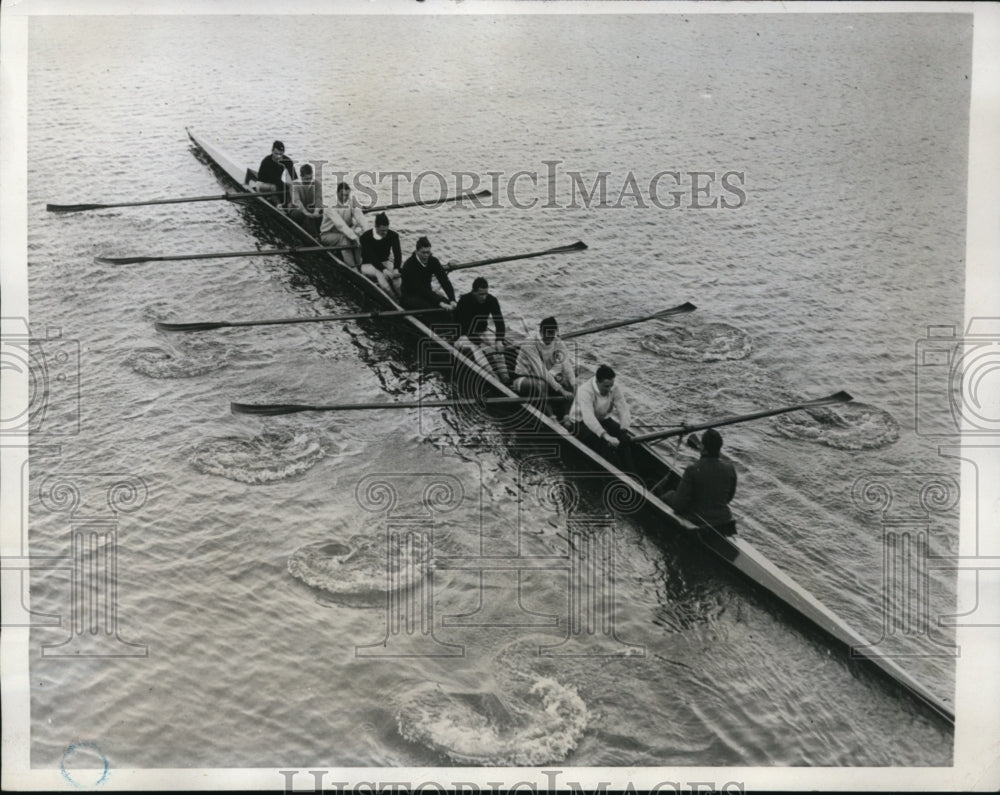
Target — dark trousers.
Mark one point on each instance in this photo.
(621, 456)
(542, 395)
(310, 224)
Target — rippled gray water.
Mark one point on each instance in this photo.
(250, 572)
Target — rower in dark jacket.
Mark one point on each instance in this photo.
(270, 175)
(417, 271)
(707, 487)
(473, 314)
(381, 255)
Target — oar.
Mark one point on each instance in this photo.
(75, 208)
(579, 245)
(217, 255)
(209, 325)
(674, 310)
(838, 397)
(272, 409)
(424, 203)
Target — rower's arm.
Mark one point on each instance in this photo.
(500, 327)
(681, 499)
(397, 252)
(445, 282)
(621, 405)
(356, 215)
(586, 399)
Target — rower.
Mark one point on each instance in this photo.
(417, 271)
(544, 370)
(473, 314)
(707, 487)
(591, 422)
(343, 224)
(275, 171)
(307, 201)
(377, 246)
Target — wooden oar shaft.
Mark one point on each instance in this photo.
(75, 208)
(686, 307)
(425, 203)
(839, 397)
(578, 246)
(218, 255)
(272, 409)
(210, 325)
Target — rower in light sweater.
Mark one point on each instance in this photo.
(590, 418)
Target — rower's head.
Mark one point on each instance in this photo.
(343, 192)
(306, 173)
(381, 224)
(278, 151)
(548, 329)
(605, 378)
(423, 250)
(481, 289)
(711, 442)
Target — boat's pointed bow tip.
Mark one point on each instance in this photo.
(844, 396)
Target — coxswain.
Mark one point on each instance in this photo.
(307, 201)
(382, 256)
(416, 290)
(707, 487)
(590, 418)
(544, 369)
(473, 314)
(275, 171)
(342, 225)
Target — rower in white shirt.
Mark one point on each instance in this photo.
(590, 418)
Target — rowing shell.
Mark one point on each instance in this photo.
(650, 461)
